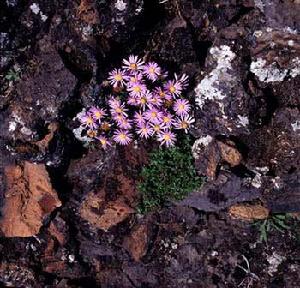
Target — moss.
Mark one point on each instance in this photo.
(170, 175)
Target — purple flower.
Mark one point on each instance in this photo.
(121, 110)
(181, 107)
(166, 138)
(158, 127)
(87, 120)
(162, 94)
(145, 131)
(139, 119)
(114, 102)
(184, 122)
(152, 71)
(133, 64)
(135, 78)
(145, 99)
(124, 124)
(122, 137)
(133, 100)
(137, 89)
(153, 115)
(173, 87)
(104, 141)
(156, 101)
(117, 77)
(167, 120)
(184, 79)
(97, 113)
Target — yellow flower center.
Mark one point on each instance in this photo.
(98, 114)
(122, 136)
(172, 89)
(151, 70)
(166, 119)
(184, 125)
(156, 128)
(143, 100)
(89, 120)
(153, 114)
(103, 141)
(119, 110)
(133, 66)
(181, 107)
(167, 137)
(105, 126)
(162, 94)
(137, 89)
(118, 77)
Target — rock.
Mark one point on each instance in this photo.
(210, 154)
(12, 275)
(136, 242)
(112, 213)
(229, 153)
(29, 198)
(224, 192)
(40, 95)
(249, 212)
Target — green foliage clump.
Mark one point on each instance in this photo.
(170, 175)
(275, 222)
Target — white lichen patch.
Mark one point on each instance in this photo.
(200, 144)
(274, 261)
(12, 125)
(209, 88)
(120, 5)
(35, 8)
(296, 126)
(272, 73)
(260, 5)
(243, 120)
(256, 181)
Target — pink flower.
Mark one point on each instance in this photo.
(153, 115)
(122, 137)
(135, 78)
(104, 141)
(181, 107)
(167, 120)
(145, 131)
(133, 64)
(184, 122)
(156, 101)
(117, 77)
(121, 110)
(166, 138)
(87, 120)
(152, 71)
(184, 79)
(114, 102)
(158, 127)
(124, 124)
(145, 99)
(139, 119)
(97, 113)
(173, 87)
(162, 94)
(137, 89)
(133, 100)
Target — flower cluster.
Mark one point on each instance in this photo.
(143, 103)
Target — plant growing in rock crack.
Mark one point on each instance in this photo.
(142, 104)
(275, 222)
(170, 175)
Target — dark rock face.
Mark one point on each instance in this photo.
(244, 61)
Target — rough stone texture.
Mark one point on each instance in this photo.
(29, 198)
(243, 61)
(247, 212)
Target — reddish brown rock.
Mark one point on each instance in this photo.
(249, 212)
(229, 153)
(136, 243)
(104, 215)
(29, 197)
